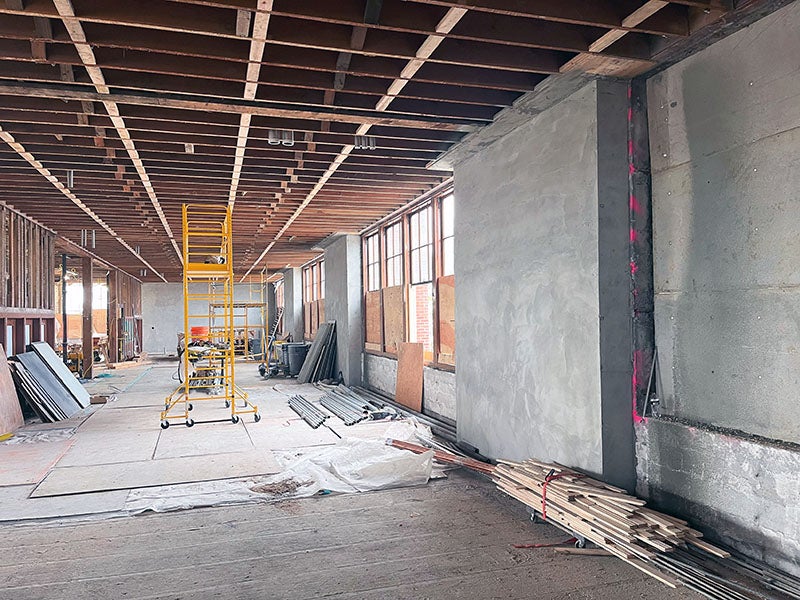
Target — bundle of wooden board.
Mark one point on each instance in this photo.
(320, 362)
(600, 513)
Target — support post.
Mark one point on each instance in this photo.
(64, 354)
(88, 349)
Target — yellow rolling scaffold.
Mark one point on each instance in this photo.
(208, 345)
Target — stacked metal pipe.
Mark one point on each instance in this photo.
(307, 411)
(346, 405)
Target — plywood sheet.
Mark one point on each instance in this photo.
(50, 384)
(447, 319)
(408, 391)
(62, 481)
(373, 318)
(62, 373)
(10, 410)
(394, 317)
(22, 464)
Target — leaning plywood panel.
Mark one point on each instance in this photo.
(10, 410)
(61, 372)
(409, 376)
(374, 325)
(394, 317)
(49, 385)
(447, 319)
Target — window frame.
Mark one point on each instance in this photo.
(434, 245)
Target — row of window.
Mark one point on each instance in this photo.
(408, 272)
(424, 227)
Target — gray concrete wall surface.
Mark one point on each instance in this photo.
(528, 377)
(725, 133)
(438, 386)
(293, 303)
(740, 492)
(343, 303)
(162, 313)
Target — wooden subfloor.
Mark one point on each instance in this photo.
(449, 539)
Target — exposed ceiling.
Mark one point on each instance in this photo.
(114, 113)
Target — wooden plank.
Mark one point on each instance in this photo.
(10, 409)
(408, 391)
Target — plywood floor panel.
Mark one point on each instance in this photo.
(96, 478)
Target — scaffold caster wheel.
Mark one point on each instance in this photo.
(256, 417)
(235, 419)
(164, 424)
(228, 405)
(189, 422)
(580, 543)
(190, 406)
(166, 405)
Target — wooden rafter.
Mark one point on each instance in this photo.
(78, 37)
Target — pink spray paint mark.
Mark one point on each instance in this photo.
(634, 268)
(633, 235)
(634, 203)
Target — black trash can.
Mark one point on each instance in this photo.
(296, 352)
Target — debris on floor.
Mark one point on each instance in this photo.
(445, 457)
(40, 436)
(279, 488)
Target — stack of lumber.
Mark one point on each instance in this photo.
(605, 515)
(320, 362)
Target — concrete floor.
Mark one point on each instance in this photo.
(449, 539)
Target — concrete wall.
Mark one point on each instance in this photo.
(343, 303)
(528, 379)
(725, 133)
(725, 129)
(162, 313)
(293, 303)
(741, 492)
(439, 387)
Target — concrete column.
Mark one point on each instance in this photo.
(88, 349)
(343, 303)
(271, 308)
(293, 303)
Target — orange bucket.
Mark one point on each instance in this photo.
(199, 333)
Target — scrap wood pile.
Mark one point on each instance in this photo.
(444, 456)
(603, 514)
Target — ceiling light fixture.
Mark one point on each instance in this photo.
(365, 142)
(276, 137)
(189, 148)
(70, 178)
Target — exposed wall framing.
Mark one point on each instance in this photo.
(27, 289)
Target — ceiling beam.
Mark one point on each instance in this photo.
(445, 25)
(78, 36)
(339, 114)
(256, 56)
(31, 160)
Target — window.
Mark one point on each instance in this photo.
(414, 301)
(421, 243)
(447, 213)
(394, 254)
(373, 257)
(313, 297)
